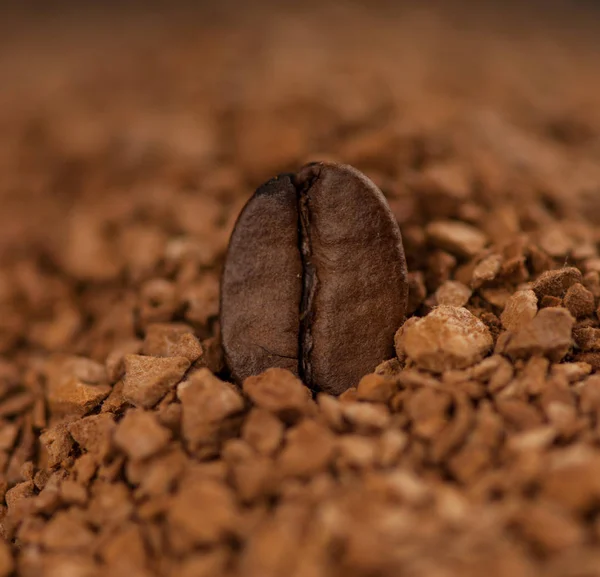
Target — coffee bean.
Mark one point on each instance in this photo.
(314, 280)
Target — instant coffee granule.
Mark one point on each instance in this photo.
(130, 141)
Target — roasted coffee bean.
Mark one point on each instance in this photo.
(314, 280)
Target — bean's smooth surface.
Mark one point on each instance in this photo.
(314, 280)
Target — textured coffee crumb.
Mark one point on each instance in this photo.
(278, 391)
(140, 436)
(94, 434)
(203, 511)
(308, 450)
(549, 333)
(487, 270)
(263, 431)
(556, 283)
(520, 308)
(115, 361)
(148, 379)
(453, 293)
(447, 338)
(375, 388)
(587, 338)
(171, 340)
(579, 301)
(365, 417)
(207, 404)
(456, 237)
(550, 301)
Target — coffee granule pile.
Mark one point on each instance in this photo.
(130, 139)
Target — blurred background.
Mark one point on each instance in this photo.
(132, 134)
(97, 98)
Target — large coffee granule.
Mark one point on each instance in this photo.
(130, 141)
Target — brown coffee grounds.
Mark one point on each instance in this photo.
(148, 379)
(555, 283)
(548, 333)
(579, 301)
(279, 392)
(163, 340)
(126, 450)
(519, 309)
(447, 338)
(139, 435)
(453, 293)
(207, 405)
(457, 238)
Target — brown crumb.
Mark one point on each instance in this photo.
(587, 338)
(204, 511)
(487, 270)
(171, 340)
(549, 529)
(262, 431)
(453, 293)
(550, 301)
(115, 361)
(75, 386)
(548, 334)
(125, 550)
(67, 531)
(6, 560)
(520, 308)
(447, 338)
(140, 435)
(308, 450)
(573, 480)
(207, 403)
(365, 417)
(355, 452)
(58, 444)
(555, 283)
(72, 492)
(148, 379)
(278, 391)
(94, 434)
(579, 301)
(456, 237)
(428, 410)
(376, 388)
